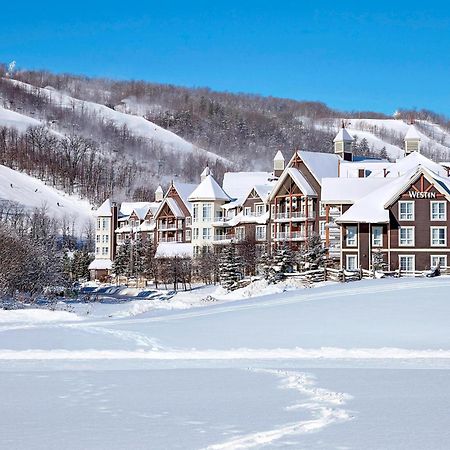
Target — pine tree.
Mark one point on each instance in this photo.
(314, 254)
(383, 153)
(138, 256)
(229, 268)
(121, 265)
(282, 262)
(378, 262)
(148, 259)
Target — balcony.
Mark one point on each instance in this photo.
(169, 226)
(170, 239)
(290, 236)
(294, 216)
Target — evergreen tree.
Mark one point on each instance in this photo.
(282, 262)
(148, 259)
(137, 256)
(314, 254)
(378, 262)
(383, 153)
(121, 265)
(229, 268)
(80, 265)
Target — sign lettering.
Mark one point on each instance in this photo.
(416, 194)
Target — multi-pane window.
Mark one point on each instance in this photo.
(104, 250)
(438, 210)
(207, 209)
(322, 209)
(377, 236)
(322, 228)
(188, 235)
(406, 236)
(195, 212)
(247, 211)
(105, 239)
(260, 210)
(97, 238)
(406, 210)
(272, 230)
(260, 232)
(351, 237)
(240, 233)
(97, 250)
(104, 223)
(351, 262)
(407, 263)
(98, 224)
(195, 233)
(438, 236)
(206, 234)
(438, 261)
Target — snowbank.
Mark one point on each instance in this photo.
(36, 316)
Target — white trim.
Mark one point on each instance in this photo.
(381, 237)
(410, 202)
(355, 245)
(407, 256)
(444, 202)
(347, 257)
(445, 236)
(408, 227)
(438, 256)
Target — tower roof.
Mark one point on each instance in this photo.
(412, 134)
(279, 156)
(209, 189)
(206, 172)
(343, 136)
(159, 189)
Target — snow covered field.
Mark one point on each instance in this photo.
(361, 365)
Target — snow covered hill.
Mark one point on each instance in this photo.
(389, 133)
(32, 193)
(137, 125)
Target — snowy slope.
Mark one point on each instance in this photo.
(435, 139)
(33, 193)
(15, 120)
(137, 125)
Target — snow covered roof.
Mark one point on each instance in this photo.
(412, 133)
(373, 207)
(373, 167)
(159, 190)
(173, 205)
(349, 190)
(321, 165)
(343, 135)
(209, 189)
(184, 191)
(206, 172)
(126, 208)
(298, 179)
(100, 264)
(238, 184)
(105, 209)
(279, 156)
(174, 249)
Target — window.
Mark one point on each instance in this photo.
(260, 209)
(322, 209)
(180, 224)
(97, 250)
(438, 260)
(188, 221)
(240, 233)
(406, 236)
(407, 263)
(351, 262)
(105, 239)
(196, 249)
(188, 235)
(272, 210)
(272, 230)
(104, 223)
(351, 240)
(247, 211)
(438, 210)
(195, 233)
(377, 236)
(322, 228)
(406, 210)
(195, 212)
(105, 250)
(438, 236)
(97, 238)
(260, 232)
(98, 224)
(206, 234)
(207, 212)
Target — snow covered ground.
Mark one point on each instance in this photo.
(32, 193)
(342, 366)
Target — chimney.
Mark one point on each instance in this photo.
(278, 164)
(412, 140)
(159, 194)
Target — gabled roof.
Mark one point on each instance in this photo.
(238, 184)
(174, 249)
(142, 211)
(184, 191)
(173, 205)
(412, 133)
(105, 209)
(209, 189)
(373, 207)
(126, 208)
(298, 179)
(321, 165)
(343, 135)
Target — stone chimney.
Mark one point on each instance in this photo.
(278, 164)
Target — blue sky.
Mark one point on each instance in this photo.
(352, 55)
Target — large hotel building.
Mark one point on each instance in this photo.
(358, 206)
